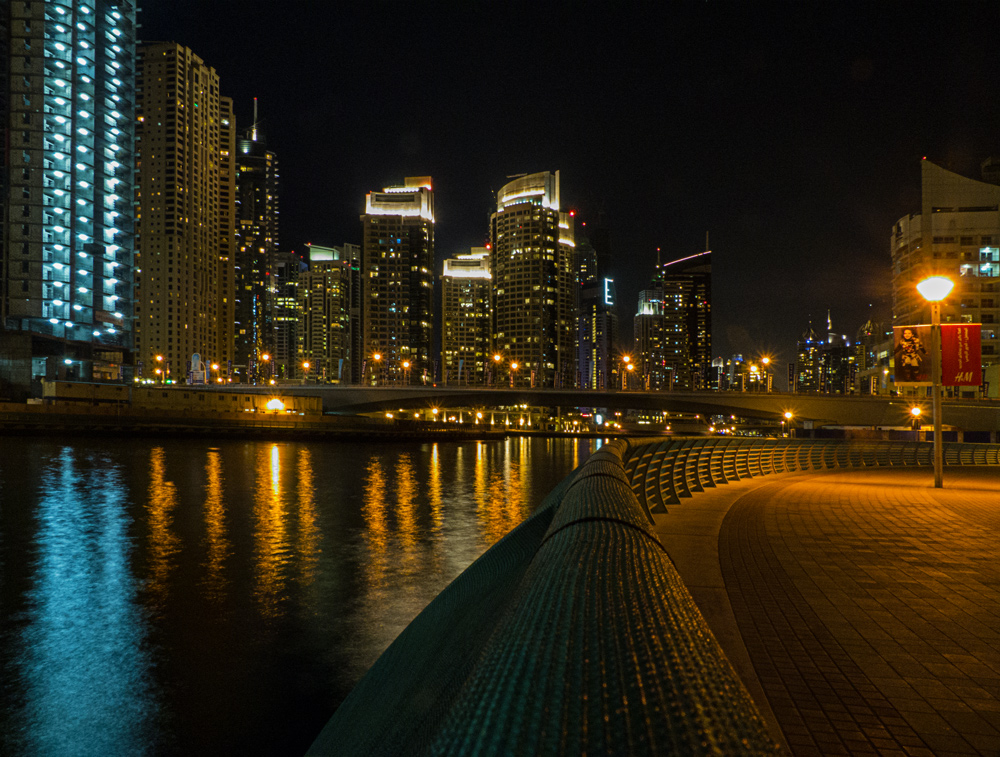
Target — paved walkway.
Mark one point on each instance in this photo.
(861, 608)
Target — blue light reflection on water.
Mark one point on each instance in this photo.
(177, 597)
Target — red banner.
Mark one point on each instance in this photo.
(961, 354)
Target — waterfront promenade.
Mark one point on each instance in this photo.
(860, 607)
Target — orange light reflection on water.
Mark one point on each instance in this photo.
(270, 536)
(163, 542)
(215, 527)
(309, 533)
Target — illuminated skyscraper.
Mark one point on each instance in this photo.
(284, 357)
(534, 303)
(67, 89)
(673, 325)
(955, 234)
(324, 305)
(466, 287)
(257, 186)
(597, 335)
(397, 274)
(184, 246)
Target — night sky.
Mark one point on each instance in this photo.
(793, 133)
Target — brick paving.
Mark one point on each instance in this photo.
(863, 606)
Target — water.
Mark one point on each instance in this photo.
(190, 597)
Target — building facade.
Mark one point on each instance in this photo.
(673, 325)
(466, 286)
(283, 358)
(257, 188)
(66, 175)
(185, 199)
(397, 274)
(597, 335)
(534, 300)
(324, 295)
(955, 234)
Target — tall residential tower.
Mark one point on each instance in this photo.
(534, 303)
(66, 167)
(185, 198)
(397, 274)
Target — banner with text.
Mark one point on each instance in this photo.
(961, 354)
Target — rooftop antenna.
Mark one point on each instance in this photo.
(253, 130)
(707, 248)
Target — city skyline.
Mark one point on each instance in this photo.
(793, 135)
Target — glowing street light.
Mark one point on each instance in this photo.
(935, 289)
(406, 372)
(513, 372)
(787, 419)
(377, 357)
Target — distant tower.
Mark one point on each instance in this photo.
(67, 161)
(185, 196)
(397, 275)
(466, 288)
(534, 307)
(673, 325)
(324, 304)
(257, 188)
(284, 357)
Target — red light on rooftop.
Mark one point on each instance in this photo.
(572, 212)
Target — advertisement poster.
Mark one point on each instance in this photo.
(911, 353)
(961, 350)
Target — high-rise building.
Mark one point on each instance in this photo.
(283, 358)
(955, 234)
(534, 301)
(67, 89)
(324, 305)
(185, 198)
(673, 326)
(257, 186)
(466, 286)
(397, 274)
(826, 365)
(597, 336)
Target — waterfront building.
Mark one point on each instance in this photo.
(534, 302)
(324, 294)
(67, 110)
(673, 324)
(257, 187)
(186, 205)
(466, 286)
(956, 234)
(598, 358)
(397, 274)
(283, 358)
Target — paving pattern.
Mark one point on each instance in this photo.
(869, 605)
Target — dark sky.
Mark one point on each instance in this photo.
(791, 132)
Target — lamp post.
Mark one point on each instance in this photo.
(766, 362)
(267, 361)
(305, 372)
(513, 374)
(935, 289)
(496, 369)
(787, 419)
(377, 357)
(406, 373)
(626, 367)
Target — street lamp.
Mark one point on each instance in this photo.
(628, 370)
(766, 361)
(305, 372)
(496, 369)
(513, 373)
(406, 372)
(159, 370)
(935, 289)
(375, 368)
(787, 419)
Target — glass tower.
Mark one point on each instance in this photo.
(68, 221)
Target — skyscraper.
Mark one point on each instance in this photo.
(66, 185)
(534, 304)
(284, 356)
(955, 234)
(597, 335)
(466, 286)
(256, 245)
(324, 305)
(673, 325)
(185, 240)
(397, 274)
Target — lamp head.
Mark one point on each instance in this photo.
(936, 288)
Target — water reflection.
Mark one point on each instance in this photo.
(217, 544)
(309, 533)
(82, 660)
(184, 597)
(163, 542)
(271, 537)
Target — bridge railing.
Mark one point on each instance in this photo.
(572, 635)
(662, 472)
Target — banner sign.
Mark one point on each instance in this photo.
(911, 354)
(961, 354)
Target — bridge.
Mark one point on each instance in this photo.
(820, 409)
